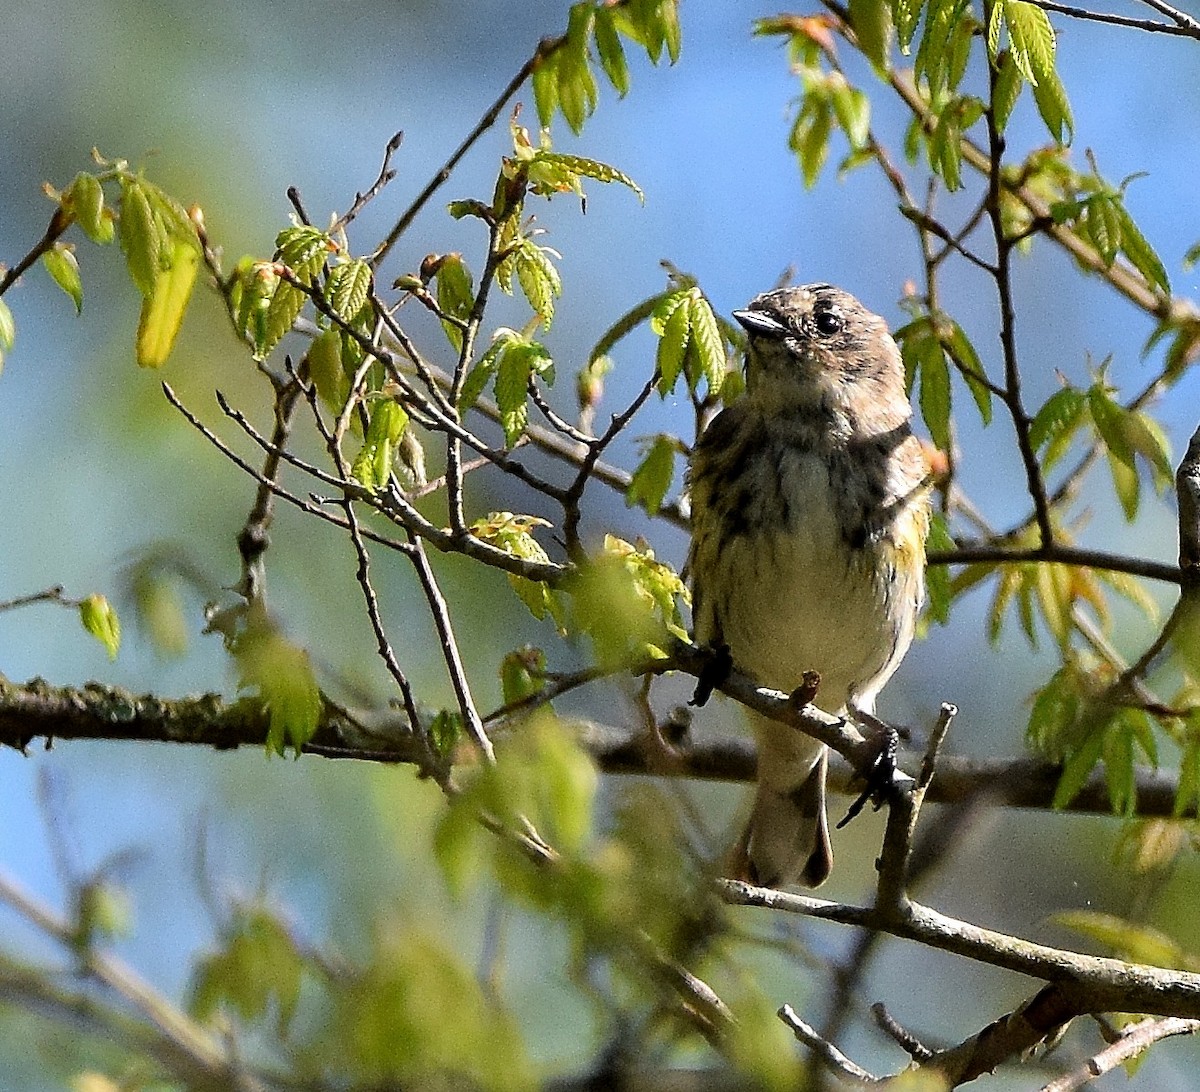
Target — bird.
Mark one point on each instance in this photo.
(810, 507)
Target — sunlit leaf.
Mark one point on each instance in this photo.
(61, 264)
(163, 310)
(654, 475)
(101, 621)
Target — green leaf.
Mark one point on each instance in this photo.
(517, 364)
(577, 92)
(1054, 107)
(1007, 89)
(478, 377)
(654, 475)
(522, 674)
(545, 88)
(101, 621)
(539, 279)
(937, 577)
(258, 965)
(852, 108)
(1102, 224)
(1032, 39)
(673, 342)
(612, 53)
(163, 310)
(348, 289)
(571, 167)
(935, 398)
(907, 16)
(809, 137)
(1130, 941)
(872, 23)
(372, 466)
(1058, 416)
(61, 264)
(1141, 253)
(705, 343)
(1078, 768)
(326, 370)
(283, 677)
(455, 294)
(8, 329)
(84, 200)
(303, 249)
(1187, 795)
(970, 367)
(278, 317)
(514, 535)
(1055, 711)
(142, 238)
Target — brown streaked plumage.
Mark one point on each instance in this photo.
(809, 513)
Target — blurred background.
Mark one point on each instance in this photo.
(228, 105)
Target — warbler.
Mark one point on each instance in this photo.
(810, 506)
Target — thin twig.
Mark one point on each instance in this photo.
(544, 49)
(386, 174)
(50, 595)
(1060, 554)
(1152, 25)
(59, 223)
(458, 676)
(1134, 1040)
(825, 1052)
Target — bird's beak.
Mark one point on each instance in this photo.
(760, 324)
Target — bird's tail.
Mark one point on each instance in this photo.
(787, 838)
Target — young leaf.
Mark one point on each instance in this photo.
(1141, 253)
(163, 310)
(522, 674)
(455, 294)
(303, 249)
(1077, 768)
(545, 88)
(8, 331)
(283, 676)
(1059, 416)
(326, 370)
(84, 199)
(962, 352)
(61, 264)
(937, 577)
(1054, 107)
(705, 343)
(935, 398)
(101, 621)
(1032, 39)
(673, 343)
(612, 53)
(142, 238)
(872, 23)
(348, 288)
(373, 465)
(652, 478)
(1007, 89)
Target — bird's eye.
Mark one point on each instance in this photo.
(828, 323)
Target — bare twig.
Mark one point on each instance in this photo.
(829, 1055)
(1187, 30)
(59, 223)
(386, 173)
(1133, 1041)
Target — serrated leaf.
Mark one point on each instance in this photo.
(84, 199)
(539, 280)
(672, 347)
(512, 392)
(705, 341)
(1141, 253)
(1102, 223)
(303, 249)
(1054, 713)
(1054, 107)
(101, 621)
(575, 165)
(163, 310)
(278, 317)
(907, 15)
(577, 92)
(348, 288)
(653, 476)
(809, 137)
(612, 53)
(1059, 415)
(142, 238)
(1032, 39)
(61, 264)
